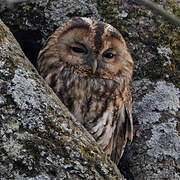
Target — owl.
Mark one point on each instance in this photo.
(87, 64)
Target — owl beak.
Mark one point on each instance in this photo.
(94, 66)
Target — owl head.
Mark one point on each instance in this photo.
(92, 49)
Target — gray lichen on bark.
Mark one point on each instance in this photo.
(165, 97)
(156, 149)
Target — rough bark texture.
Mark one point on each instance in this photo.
(154, 45)
(39, 138)
(155, 151)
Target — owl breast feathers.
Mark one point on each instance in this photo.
(88, 65)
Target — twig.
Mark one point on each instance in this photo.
(154, 6)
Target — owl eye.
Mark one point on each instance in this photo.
(78, 50)
(108, 55)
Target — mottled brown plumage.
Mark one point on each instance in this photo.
(88, 65)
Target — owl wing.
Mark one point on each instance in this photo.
(124, 130)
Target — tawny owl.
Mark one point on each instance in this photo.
(88, 65)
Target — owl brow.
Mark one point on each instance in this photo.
(78, 25)
(109, 49)
(115, 35)
(79, 43)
